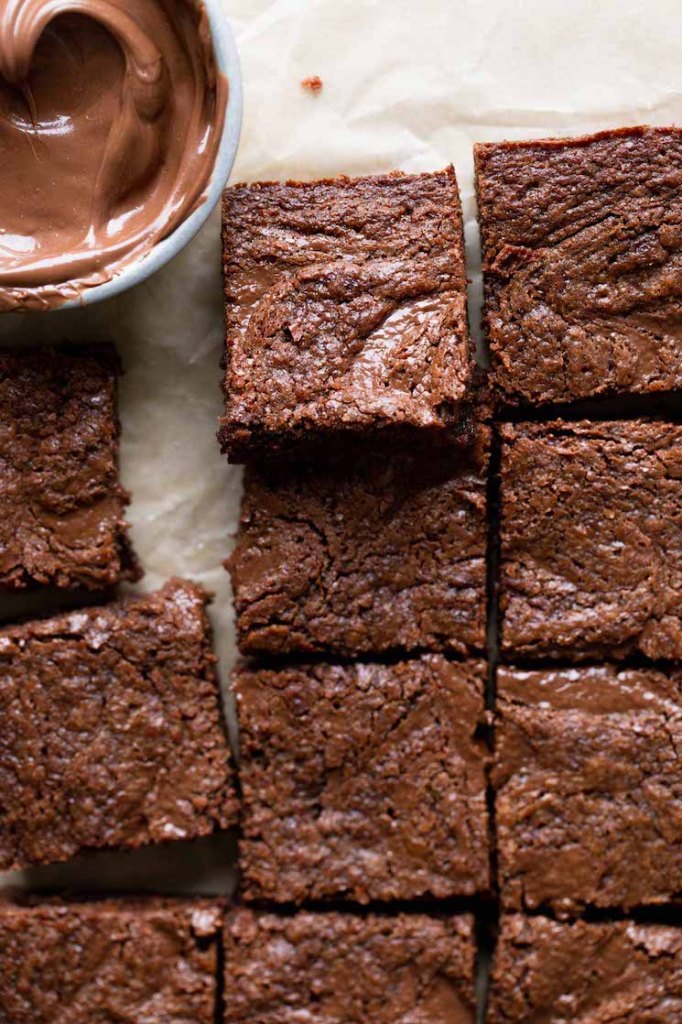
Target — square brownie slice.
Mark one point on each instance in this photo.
(591, 536)
(109, 960)
(376, 553)
(345, 304)
(588, 787)
(337, 968)
(363, 782)
(546, 972)
(112, 733)
(61, 504)
(582, 247)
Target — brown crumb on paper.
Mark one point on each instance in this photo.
(313, 83)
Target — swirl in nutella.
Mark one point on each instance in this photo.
(111, 113)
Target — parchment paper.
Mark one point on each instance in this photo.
(406, 83)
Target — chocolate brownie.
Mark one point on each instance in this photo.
(373, 554)
(61, 503)
(588, 785)
(109, 960)
(112, 734)
(618, 972)
(582, 242)
(345, 305)
(592, 539)
(364, 782)
(345, 969)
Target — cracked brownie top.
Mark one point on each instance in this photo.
(61, 504)
(379, 552)
(345, 305)
(109, 960)
(582, 243)
(588, 783)
(112, 734)
(591, 535)
(546, 972)
(364, 782)
(341, 968)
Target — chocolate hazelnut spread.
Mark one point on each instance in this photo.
(111, 113)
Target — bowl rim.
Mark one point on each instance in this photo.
(228, 63)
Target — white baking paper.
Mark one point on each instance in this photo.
(406, 83)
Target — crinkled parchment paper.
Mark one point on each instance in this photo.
(406, 83)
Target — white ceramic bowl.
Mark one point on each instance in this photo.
(227, 61)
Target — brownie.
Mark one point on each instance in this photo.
(592, 539)
(345, 304)
(61, 503)
(363, 782)
(345, 969)
(619, 972)
(582, 258)
(110, 960)
(588, 787)
(112, 734)
(375, 553)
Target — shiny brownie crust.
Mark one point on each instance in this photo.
(591, 539)
(363, 782)
(582, 247)
(546, 972)
(112, 732)
(336, 968)
(109, 960)
(345, 305)
(588, 787)
(61, 504)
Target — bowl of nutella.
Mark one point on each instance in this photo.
(119, 125)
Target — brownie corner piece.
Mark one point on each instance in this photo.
(345, 303)
(591, 541)
(115, 959)
(547, 972)
(582, 246)
(363, 782)
(384, 552)
(332, 966)
(112, 729)
(587, 780)
(62, 504)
